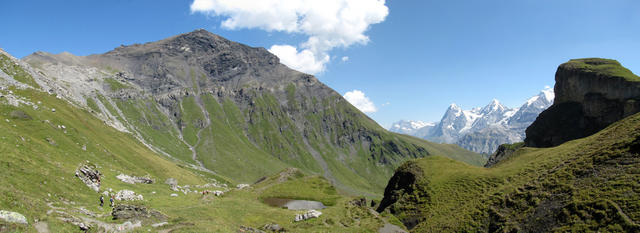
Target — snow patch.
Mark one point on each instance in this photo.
(549, 94)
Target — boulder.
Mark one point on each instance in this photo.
(134, 179)
(360, 202)
(272, 227)
(246, 229)
(590, 94)
(13, 217)
(90, 175)
(128, 195)
(242, 186)
(171, 181)
(173, 184)
(308, 215)
(128, 212)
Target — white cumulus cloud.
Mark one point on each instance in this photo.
(345, 59)
(304, 60)
(327, 23)
(361, 101)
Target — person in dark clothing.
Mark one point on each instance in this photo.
(101, 200)
(111, 200)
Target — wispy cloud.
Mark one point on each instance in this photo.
(327, 23)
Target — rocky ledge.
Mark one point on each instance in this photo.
(590, 94)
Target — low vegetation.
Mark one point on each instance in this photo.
(116, 85)
(605, 67)
(312, 188)
(590, 184)
(16, 71)
(42, 148)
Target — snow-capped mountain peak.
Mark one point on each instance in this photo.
(454, 107)
(543, 100)
(548, 94)
(493, 106)
(470, 128)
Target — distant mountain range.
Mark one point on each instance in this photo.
(483, 129)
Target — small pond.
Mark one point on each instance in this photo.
(294, 204)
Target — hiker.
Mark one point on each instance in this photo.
(111, 200)
(101, 200)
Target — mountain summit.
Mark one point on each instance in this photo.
(233, 110)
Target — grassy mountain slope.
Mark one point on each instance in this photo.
(39, 157)
(39, 161)
(590, 184)
(43, 139)
(235, 110)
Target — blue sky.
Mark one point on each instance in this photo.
(418, 59)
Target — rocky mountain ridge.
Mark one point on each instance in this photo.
(232, 110)
(480, 129)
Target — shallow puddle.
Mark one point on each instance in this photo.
(294, 204)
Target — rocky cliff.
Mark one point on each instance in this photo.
(591, 94)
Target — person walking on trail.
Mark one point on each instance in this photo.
(101, 200)
(111, 201)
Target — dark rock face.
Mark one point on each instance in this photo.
(403, 192)
(504, 151)
(590, 95)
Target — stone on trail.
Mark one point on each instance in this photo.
(174, 194)
(13, 217)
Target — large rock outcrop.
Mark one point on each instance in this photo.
(503, 152)
(405, 189)
(590, 94)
